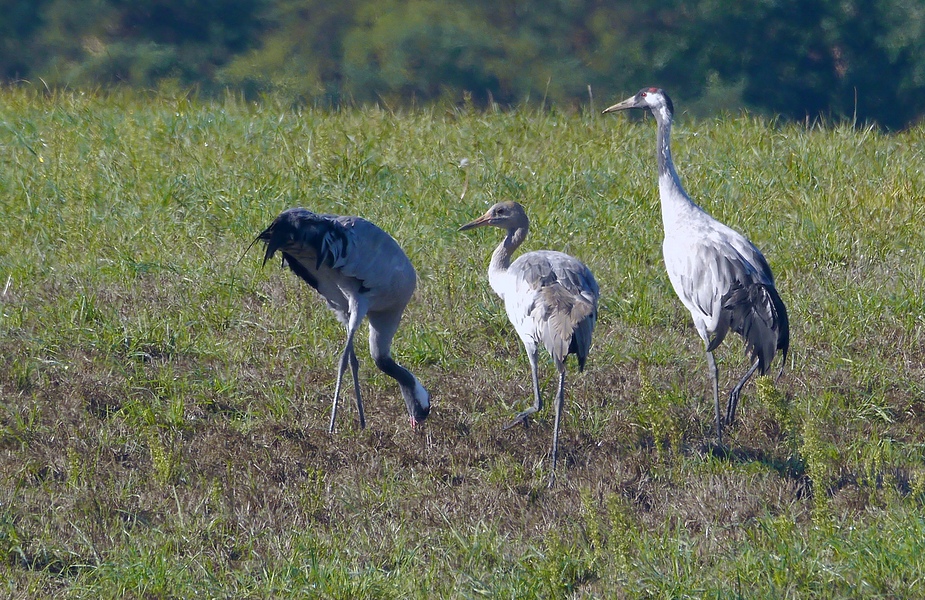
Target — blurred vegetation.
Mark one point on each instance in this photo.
(801, 59)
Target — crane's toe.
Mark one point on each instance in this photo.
(731, 406)
(420, 413)
(523, 417)
(552, 480)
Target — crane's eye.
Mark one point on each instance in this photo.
(643, 94)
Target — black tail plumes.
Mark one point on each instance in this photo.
(783, 329)
(319, 235)
(299, 226)
(760, 317)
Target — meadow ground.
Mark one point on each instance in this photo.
(165, 399)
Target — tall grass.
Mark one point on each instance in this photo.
(163, 424)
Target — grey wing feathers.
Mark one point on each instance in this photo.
(710, 273)
(314, 245)
(735, 278)
(564, 320)
(565, 305)
(586, 315)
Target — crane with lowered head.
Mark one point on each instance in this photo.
(362, 272)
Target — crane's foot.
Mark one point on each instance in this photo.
(523, 417)
(717, 449)
(552, 480)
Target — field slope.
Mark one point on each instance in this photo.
(165, 399)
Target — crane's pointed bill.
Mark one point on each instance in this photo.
(480, 222)
(628, 103)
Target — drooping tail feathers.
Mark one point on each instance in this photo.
(320, 235)
(760, 317)
(568, 323)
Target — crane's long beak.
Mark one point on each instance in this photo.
(480, 222)
(628, 103)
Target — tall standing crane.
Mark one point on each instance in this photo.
(550, 299)
(362, 272)
(721, 277)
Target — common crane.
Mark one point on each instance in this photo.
(721, 277)
(550, 299)
(362, 272)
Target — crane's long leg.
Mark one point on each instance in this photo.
(714, 379)
(352, 325)
(522, 417)
(341, 367)
(354, 369)
(560, 401)
(736, 392)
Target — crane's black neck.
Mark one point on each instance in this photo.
(397, 372)
(416, 399)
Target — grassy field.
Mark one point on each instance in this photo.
(165, 400)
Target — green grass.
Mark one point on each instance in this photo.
(164, 400)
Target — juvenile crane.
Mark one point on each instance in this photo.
(550, 299)
(362, 272)
(721, 277)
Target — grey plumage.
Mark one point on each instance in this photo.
(721, 277)
(361, 271)
(550, 298)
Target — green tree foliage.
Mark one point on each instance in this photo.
(801, 59)
(135, 42)
(17, 30)
(300, 53)
(423, 49)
